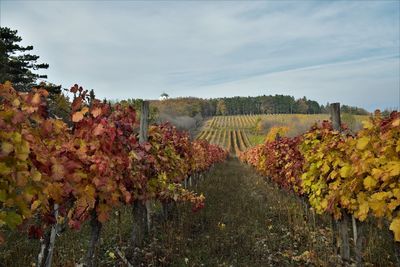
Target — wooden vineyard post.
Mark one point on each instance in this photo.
(53, 234)
(359, 239)
(48, 244)
(143, 137)
(343, 226)
(141, 212)
(95, 226)
(344, 237)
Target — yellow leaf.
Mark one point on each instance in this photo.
(22, 151)
(35, 204)
(376, 173)
(396, 122)
(362, 142)
(112, 255)
(325, 168)
(7, 148)
(324, 204)
(394, 167)
(16, 102)
(54, 191)
(345, 171)
(395, 227)
(381, 195)
(370, 183)
(90, 190)
(396, 193)
(36, 176)
(378, 207)
(85, 110)
(393, 204)
(363, 211)
(367, 124)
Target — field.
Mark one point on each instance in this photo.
(230, 132)
(239, 132)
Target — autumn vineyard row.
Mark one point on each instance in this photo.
(337, 172)
(90, 166)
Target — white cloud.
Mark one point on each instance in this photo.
(127, 49)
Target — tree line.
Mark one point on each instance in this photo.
(239, 105)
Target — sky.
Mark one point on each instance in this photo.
(329, 51)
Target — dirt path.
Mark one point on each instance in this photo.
(246, 222)
(250, 222)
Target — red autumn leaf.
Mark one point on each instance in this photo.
(74, 88)
(147, 147)
(35, 232)
(74, 224)
(76, 104)
(47, 127)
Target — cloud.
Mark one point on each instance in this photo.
(128, 49)
(366, 83)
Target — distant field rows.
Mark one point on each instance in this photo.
(230, 132)
(237, 133)
(232, 140)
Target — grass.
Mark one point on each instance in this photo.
(247, 221)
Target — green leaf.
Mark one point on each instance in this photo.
(13, 219)
(3, 195)
(4, 169)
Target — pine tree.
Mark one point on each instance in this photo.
(17, 65)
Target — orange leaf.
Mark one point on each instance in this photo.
(96, 112)
(99, 130)
(58, 171)
(102, 212)
(36, 99)
(77, 116)
(44, 92)
(84, 110)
